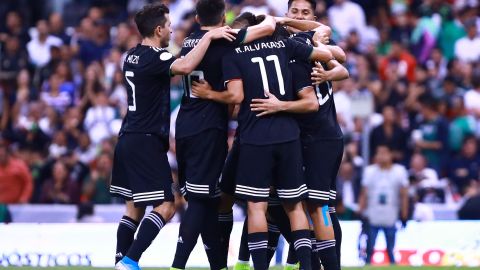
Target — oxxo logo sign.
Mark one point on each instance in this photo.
(44, 259)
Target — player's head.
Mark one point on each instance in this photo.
(210, 12)
(153, 22)
(383, 155)
(302, 9)
(243, 20)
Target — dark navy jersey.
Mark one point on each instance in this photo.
(322, 124)
(147, 76)
(263, 66)
(197, 115)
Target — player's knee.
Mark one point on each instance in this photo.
(257, 208)
(135, 213)
(316, 208)
(166, 210)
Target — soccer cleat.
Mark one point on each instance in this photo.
(127, 264)
(292, 266)
(242, 266)
(173, 268)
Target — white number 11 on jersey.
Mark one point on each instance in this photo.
(263, 73)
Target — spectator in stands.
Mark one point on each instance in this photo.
(95, 190)
(12, 60)
(39, 47)
(16, 185)
(467, 49)
(54, 97)
(14, 27)
(472, 99)
(424, 181)
(99, 118)
(433, 141)
(462, 124)
(97, 44)
(384, 195)
(398, 65)
(464, 169)
(59, 188)
(389, 133)
(57, 28)
(346, 16)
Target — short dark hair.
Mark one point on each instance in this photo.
(210, 12)
(150, 17)
(313, 3)
(244, 20)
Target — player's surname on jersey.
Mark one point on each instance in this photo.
(259, 46)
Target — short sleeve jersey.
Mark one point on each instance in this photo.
(146, 72)
(197, 115)
(322, 124)
(263, 66)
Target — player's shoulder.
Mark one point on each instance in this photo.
(303, 37)
(193, 39)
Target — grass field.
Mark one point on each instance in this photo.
(273, 268)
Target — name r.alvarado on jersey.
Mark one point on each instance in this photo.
(260, 45)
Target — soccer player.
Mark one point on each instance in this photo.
(141, 173)
(201, 137)
(270, 153)
(322, 139)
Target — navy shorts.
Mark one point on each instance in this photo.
(227, 181)
(200, 161)
(263, 166)
(141, 171)
(321, 161)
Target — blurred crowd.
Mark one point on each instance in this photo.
(414, 85)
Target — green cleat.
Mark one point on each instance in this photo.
(292, 266)
(242, 266)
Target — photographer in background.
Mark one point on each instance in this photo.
(384, 194)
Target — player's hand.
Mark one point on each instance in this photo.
(201, 89)
(267, 106)
(319, 74)
(222, 32)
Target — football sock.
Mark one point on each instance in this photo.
(328, 254)
(315, 258)
(190, 228)
(225, 224)
(292, 257)
(338, 232)
(125, 234)
(273, 235)
(243, 252)
(303, 248)
(257, 244)
(211, 238)
(148, 230)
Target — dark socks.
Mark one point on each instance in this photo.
(149, 228)
(211, 239)
(189, 231)
(125, 234)
(303, 248)
(257, 244)
(315, 257)
(338, 232)
(243, 252)
(328, 254)
(225, 225)
(292, 257)
(273, 235)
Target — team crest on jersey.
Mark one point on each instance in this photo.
(165, 56)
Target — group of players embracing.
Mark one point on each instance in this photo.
(274, 75)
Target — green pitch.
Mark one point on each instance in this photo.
(273, 268)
